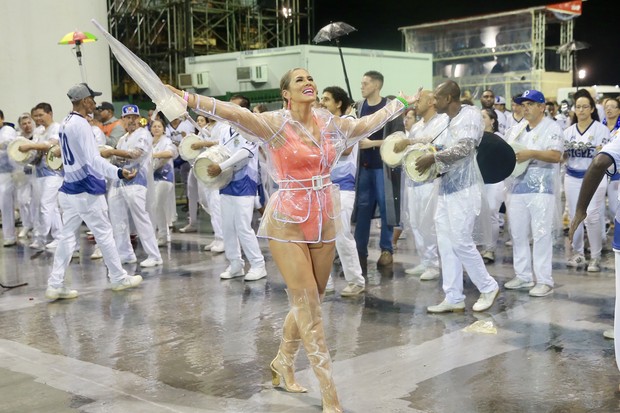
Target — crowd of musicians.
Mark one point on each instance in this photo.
(223, 173)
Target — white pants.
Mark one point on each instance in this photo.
(93, 210)
(495, 197)
(455, 219)
(192, 198)
(345, 242)
(131, 198)
(163, 212)
(47, 215)
(419, 204)
(210, 200)
(532, 214)
(237, 231)
(7, 205)
(593, 222)
(23, 199)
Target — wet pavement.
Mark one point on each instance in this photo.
(186, 341)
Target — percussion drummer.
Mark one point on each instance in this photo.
(192, 183)
(133, 152)
(237, 200)
(459, 202)
(7, 188)
(47, 183)
(533, 198)
(23, 179)
(164, 151)
(421, 198)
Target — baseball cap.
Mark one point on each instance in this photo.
(81, 91)
(532, 96)
(499, 100)
(106, 106)
(130, 110)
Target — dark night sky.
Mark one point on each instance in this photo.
(377, 23)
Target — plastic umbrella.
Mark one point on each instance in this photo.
(334, 31)
(171, 105)
(77, 38)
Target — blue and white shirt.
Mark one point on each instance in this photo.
(85, 169)
(245, 176)
(7, 135)
(48, 135)
(581, 147)
(539, 177)
(140, 143)
(166, 172)
(345, 169)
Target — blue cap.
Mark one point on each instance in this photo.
(532, 96)
(499, 100)
(130, 110)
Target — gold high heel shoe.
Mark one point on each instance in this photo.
(283, 366)
(278, 378)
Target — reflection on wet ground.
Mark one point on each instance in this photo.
(185, 341)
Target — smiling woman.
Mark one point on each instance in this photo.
(302, 144)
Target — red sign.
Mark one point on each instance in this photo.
(567, 7)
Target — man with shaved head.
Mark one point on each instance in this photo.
(459, 201)
(420, 197)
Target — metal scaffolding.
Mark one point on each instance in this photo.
(164, 32)
(507, 52)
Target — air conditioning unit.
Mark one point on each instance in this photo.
(197, 80)
(255, 74)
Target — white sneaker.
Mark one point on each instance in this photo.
(255, 273)
(162, 242)
(188, 228)
(61, 293)
(96, 254)
(430, 274)
(9, 243)
(130, 260)
(486, 300)
(151, 262)
(23, 233)
(330, 287)
(352, 290)
(128, 282)
(576, 261)
(229, 273)
(417, 270)
(446, 307)
(52, 245)
(517, 284)
(488, 257)
(209, 246)
(609, 333)
(218, 246)
(508, 243)
(594, 265)
(37, 245)
(541, 290)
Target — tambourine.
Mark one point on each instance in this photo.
(185, 147)
(18, 156)
(391, 158)
(412, 155)
(51, 160)
(520, 167)
(215, 154)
